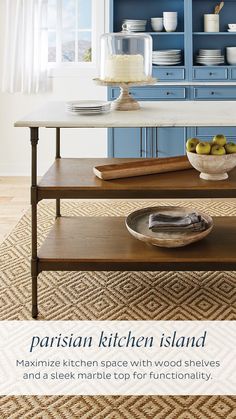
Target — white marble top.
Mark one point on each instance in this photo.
(151, 114)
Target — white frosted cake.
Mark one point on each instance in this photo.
(125, 68)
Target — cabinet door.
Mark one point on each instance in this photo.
(171, 142)
(146, 142)
(124, 142)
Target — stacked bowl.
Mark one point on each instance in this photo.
(170, 20)
(231, 55)
(157, 24)
(210, 57)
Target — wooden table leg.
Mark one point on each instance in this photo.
(58, 156)
(34, 202)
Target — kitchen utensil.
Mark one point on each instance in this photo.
(141, 168)
(219, 7)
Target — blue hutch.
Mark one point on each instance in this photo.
(187, 81)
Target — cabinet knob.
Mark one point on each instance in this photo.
(168, 93)
(212, 93)
(211, 74)
(168, 74)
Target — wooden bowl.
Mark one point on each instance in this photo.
(212, 167)
(137, 224)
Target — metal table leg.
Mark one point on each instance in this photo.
(34, 202)
(58, 156)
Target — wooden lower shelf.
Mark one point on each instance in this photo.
(74, 178)
(104, 244)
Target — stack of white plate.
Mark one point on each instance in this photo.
(88, 107)
(133, 25)
(210, 57)
(166, 57)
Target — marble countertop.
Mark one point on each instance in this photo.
(151, 114)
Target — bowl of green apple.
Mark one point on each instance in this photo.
(212, 159)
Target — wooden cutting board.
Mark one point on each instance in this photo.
(142, 167)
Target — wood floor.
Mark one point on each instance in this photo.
(14, 202)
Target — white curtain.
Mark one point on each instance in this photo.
(25, 56)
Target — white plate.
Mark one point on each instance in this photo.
(209, 60)
(87, 103)
(168, 51)
(210, 51)
(163, 61)
(135, 20)
(164, 64)
(167, 58)
(210, 56)
(210, 63)
(166, 55)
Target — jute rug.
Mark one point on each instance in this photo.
(114, 296)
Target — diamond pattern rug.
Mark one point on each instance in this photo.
(114, 296)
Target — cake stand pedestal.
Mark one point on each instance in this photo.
(125, 101)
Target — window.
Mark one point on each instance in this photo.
(74, 29)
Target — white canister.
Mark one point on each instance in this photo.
(212, 23)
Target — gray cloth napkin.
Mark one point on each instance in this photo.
(159, 222)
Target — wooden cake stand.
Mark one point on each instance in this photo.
(125, 101)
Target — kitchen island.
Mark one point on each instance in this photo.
(103, 243)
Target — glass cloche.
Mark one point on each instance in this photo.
(126, 57)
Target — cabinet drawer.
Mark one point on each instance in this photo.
(210, 74)
(211, 131)
(233, 73)
(167, 93)
(215, 93)
(169, 73)
(154, 93)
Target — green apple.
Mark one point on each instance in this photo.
(192, 144)
(203, 148)
(219, 139)
(230, 148)
(218, 150)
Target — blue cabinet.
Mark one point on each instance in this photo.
(169, 74)
(210, 73)
(189, 37)
(214, 93)
(125, 142)
(147, 142)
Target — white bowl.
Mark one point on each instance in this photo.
(231, 55)
(170, 27)
(156, 19)
(212, 167)
(170, 15)
(157, 24)
(231, 50)
(231, 61)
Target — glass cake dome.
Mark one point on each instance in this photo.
(126, 57)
